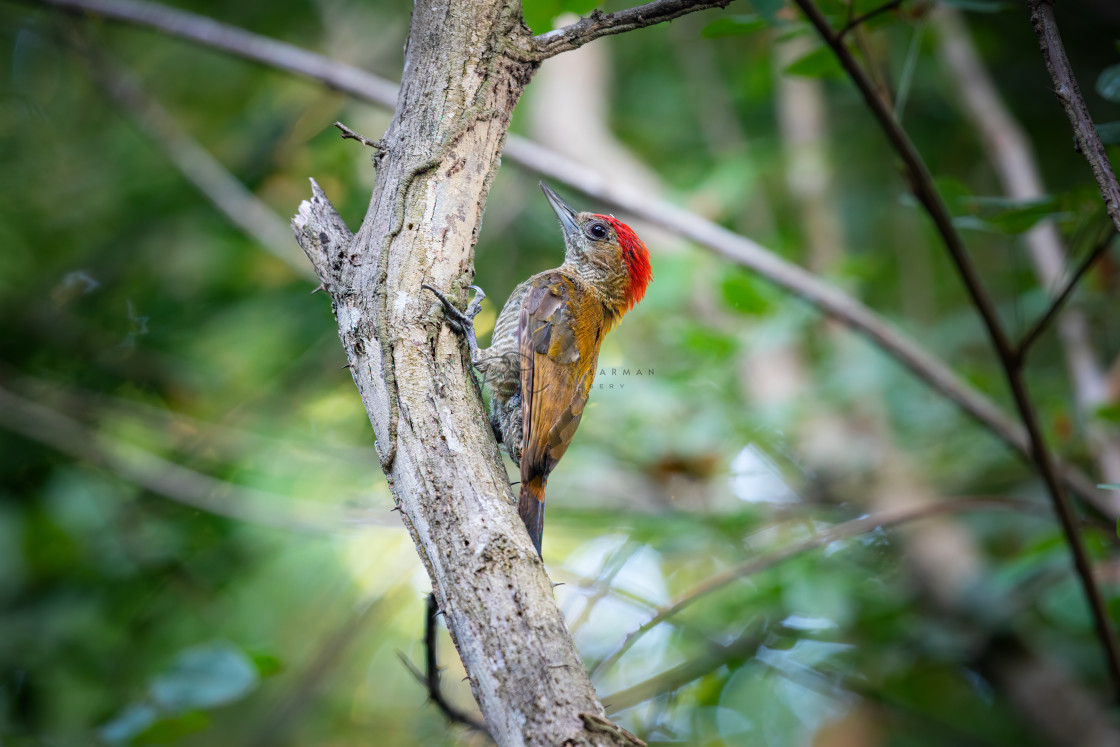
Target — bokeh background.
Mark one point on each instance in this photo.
(196, 543)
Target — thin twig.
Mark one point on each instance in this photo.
(600, 24)
(1069, 93)
(882, 519)
(922, 186)
(431, 676)
(739, 249)
(864, 17)
(348, 134)
(679, 676)
(1056, 305)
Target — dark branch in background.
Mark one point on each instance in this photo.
(430, 677)
(738, 249)
(922, 186)
(1058, 303)
(600, 24)
(1069, 93)
(863, 17)
(742, 649)
(855, 527)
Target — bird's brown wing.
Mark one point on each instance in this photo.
(559, 333)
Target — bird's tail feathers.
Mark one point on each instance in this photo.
(531, 508)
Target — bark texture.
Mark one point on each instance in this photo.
(465, 69)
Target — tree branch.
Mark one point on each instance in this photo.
(600, 24)
(922, 186)
(1069, 93)
(348, 134)
(462, 78)
(674, 679)
(1009, 147)
(430, 677)
(319, 229)
(855, 527)
(1059, 300)
(739, 249)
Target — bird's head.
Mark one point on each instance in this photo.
(604, 249)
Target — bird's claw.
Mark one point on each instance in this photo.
(475, 305)
(460, 321)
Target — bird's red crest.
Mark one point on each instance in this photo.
(636, 256)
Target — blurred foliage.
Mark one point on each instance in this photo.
(129, 304)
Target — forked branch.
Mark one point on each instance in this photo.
(430, 677)
(1060, 298)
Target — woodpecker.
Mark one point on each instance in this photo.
(542, 357)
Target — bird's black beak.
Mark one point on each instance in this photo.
(563, 211)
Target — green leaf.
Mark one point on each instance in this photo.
(1108, 83)
(203, 677)
(746, 294)
(1064, 604)
(734, 26)
(953, 191)
(996, 214)
(267, 665)
(703, 341)
(1017, 216)
(1110, 412)
(769, 10)
(820, 63)
(980, 6)
(973, 223)
(173, 729)
(1109, 133)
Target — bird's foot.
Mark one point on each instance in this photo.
(461, 321)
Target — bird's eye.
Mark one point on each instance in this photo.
(597, 231)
